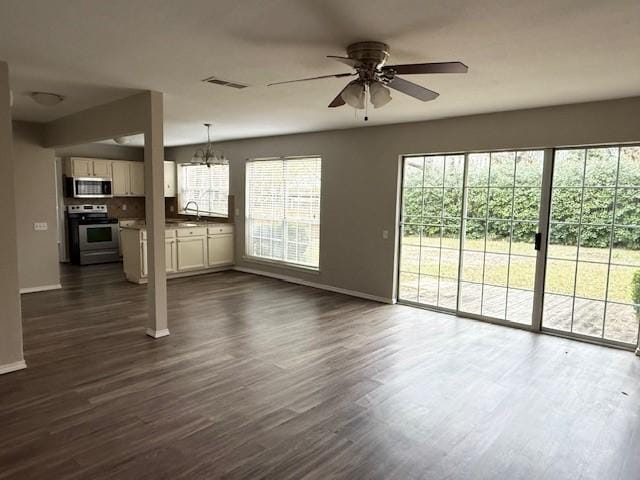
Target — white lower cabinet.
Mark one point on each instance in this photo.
(220, 249)
(171, 255)
(191, 253)
(188, 251)
(144, 270)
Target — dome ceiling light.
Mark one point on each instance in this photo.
(46, 99)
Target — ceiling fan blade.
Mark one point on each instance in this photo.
(339, 101)
(337, 75)
(346, 60)
(412, 89)
(439, 67)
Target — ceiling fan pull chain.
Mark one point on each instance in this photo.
(367, 96)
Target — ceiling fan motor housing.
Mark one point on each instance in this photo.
(370, 54)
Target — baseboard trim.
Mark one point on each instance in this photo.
(187, 273)
(321, 286)
(42, 288)
(157, 333)
(12, 367)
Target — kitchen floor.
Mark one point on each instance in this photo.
(265, 379)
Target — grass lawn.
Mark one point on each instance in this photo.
(591, 280)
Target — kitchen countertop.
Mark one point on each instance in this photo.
(141, 224)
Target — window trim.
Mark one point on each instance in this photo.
(272, 261)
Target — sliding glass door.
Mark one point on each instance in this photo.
(592, 285)
(470, 242)
(469, 225)
(432, 208)
(502, 212)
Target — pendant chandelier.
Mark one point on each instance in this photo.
(208, 156)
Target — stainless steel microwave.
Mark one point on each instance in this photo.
(88, 187)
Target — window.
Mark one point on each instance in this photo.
(207, 186)
(283, 210)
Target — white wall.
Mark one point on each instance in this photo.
(360, 175)
(35, 195)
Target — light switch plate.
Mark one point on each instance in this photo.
(40, 226)
(385, 234)
(124, 207)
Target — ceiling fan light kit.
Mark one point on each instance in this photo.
(353, 95)
(369, 60)
(380, 95)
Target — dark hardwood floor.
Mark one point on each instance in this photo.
(265, 379)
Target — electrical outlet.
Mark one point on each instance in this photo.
(385, 234)
(237, 211)
(124, 207)
(40, 226)
(171, 209)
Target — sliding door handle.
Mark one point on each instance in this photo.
(538, 241)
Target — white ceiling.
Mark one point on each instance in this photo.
(520, 54)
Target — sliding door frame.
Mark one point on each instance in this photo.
(544, 219)
(543, 239)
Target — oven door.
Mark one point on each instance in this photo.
(98, 236)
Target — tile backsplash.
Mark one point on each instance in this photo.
(133, 207)
(118, 207)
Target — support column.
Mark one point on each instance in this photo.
(157, 325)
(11, 357)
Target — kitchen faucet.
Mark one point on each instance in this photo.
(197, 208)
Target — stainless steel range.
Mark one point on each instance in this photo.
(93, 236)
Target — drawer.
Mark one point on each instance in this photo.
(127, 223)
(217, 229)
(192, 232)
(167, 234)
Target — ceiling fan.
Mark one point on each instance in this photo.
(375, 78)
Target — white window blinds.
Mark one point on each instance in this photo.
(207, 186)
(283, 210)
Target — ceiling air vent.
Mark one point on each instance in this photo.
(225, 83)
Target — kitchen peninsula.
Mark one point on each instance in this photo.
(191, 248)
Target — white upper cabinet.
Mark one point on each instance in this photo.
(169, 179)
(121, 185)
(102, 168)
(80, 167)
(137, 178)
(128, 179)
(87, 167)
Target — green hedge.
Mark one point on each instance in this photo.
(494, 179)
(635, 291)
